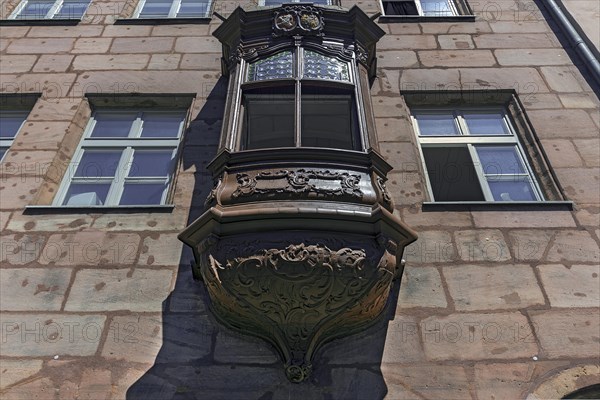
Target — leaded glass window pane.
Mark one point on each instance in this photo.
(276, 66)
(318, 66)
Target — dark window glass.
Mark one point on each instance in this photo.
(269, 121)
(327, 121)
(452, 174)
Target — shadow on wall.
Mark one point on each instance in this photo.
(201, 359)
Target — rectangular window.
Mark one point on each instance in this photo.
(126, 157)
(473, 154)
(10, 123)
(173, 9)
(430, 8)
(50, 9)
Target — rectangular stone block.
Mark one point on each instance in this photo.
(481, 245)
(53, 108)
(526, 81)
(475, 288)
(53, 63)
(37, 46)
(456, 58)
(12, 64)
(429, 381)
(134, 338)
(519, 26)
(517, 219)
(530, 244)
(572, 124)
(17, 192)
(47, 223)
(430, 79)
(13, 371)
(580, 184)
(106, 62)
(50, 85)
(47, 335)
(82, 30)
(180, 30)
(209, 62)
(562, 153)
(397, 59)
(414, 217)
(33, 289)
(143, 221)
(455, 42)
(134, 289)
(38, 135)
(406, 42)
(161, 249)
(127, 30)
(478, 337)
(575, 286)
(164, 61)
(567, 333)
(91, 45)
(91, 247)
(589, 150)
(515, 41)
(142, 45)
(562, 79)
(197, 45)
(21, 249)
(532, 57)
(421, 287)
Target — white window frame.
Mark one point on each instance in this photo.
(49, 15)
(261, 3)
(127, 145)
(470, 141)
(6, 143)
(173, 11)
(419, 6)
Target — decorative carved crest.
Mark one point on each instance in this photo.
(297, 20)
(299, 182)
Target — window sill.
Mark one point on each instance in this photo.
(163, 21)
(387, 19)
(498, 206)
(39, 22)
(36, 210)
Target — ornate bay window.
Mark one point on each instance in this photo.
(298, 245)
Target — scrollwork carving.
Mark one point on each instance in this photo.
(298, 182)
(385, 195)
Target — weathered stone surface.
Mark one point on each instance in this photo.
(42, 335)
(104, 62)
(478, 337)
(567, 333)
(16, 64)
(4, 216)
(452, 27)
(421, 287)
(429, 79)
(578, 100)
(164, 61)
(428, 381)
(40, 46)
(51, 108)
(580, 184)
(566, 382)
(561, 79)
(48, 223)
(431, 246)
(143, 221)
(17, 192)
(589, 149)
(406, 42)
(208, 62)
(455, 42)
(180, 30)
(526, 81)
(142, 45)
(481, 245)
(514, 41)
(119, 289)
(21, 249)
(510, 381)
(519, 26)
(53, 63)
(65, 31)
(573, 124)
(133, 338)
(530, 244)
(574, 246)
(516, 219)
(13, 371)
(197, 45)
(577, 286)
(456, 58)
(487, 288)
(397, 59)
(402, 342)
(91, 45)
(127, 30)
(161, 249)
(29, 389)
(91, 247)
(562, 153)
(532, 57)
(33, 289)
(95, 384)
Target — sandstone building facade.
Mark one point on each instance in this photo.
(114, 112)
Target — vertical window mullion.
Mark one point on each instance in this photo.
(298, 97)
(485, 188)
(174, 8)
(116, 189)
(419, 7)
(54, 9)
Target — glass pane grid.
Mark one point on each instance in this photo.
(35, 9)
(277, 66)
(319, 66)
